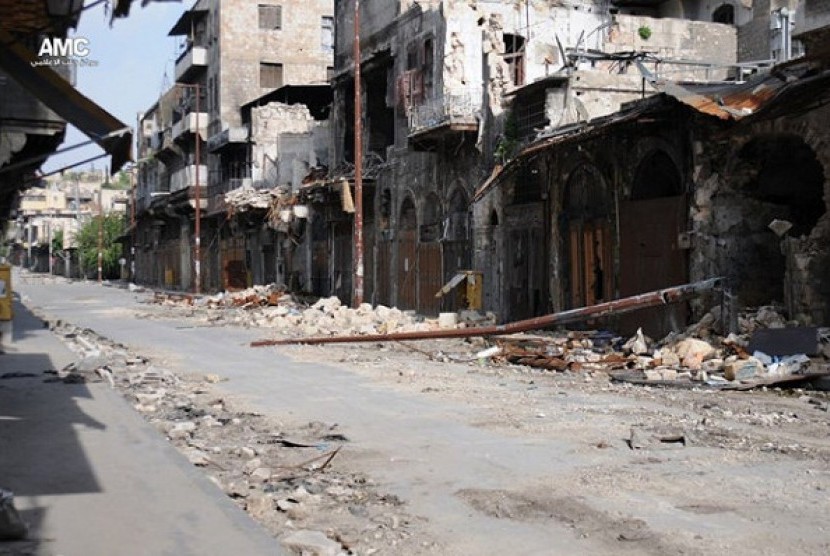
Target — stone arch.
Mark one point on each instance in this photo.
(587, 228)
(431, 218)
(656, 176)
(457, 215)
(777, 175)
(725, 13)
(407, 214)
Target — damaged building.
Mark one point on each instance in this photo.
(453, 90)
(244, 123)
(567, 152)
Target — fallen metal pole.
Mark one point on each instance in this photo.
(616, 307)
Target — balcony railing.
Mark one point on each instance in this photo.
(186, 177)
(190, 63)
(188, 124)
(454, 107)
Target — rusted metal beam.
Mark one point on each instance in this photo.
(616, 307)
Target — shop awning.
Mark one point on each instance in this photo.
(51, 89)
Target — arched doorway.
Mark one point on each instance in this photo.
(778, 177)
(407, 255)
(384, 245)
(455, 242)
(588, 210)
(651, 256)
(430, 278)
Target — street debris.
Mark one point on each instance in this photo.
(704, 355)
(286, 476)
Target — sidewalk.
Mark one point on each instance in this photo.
(90, 477)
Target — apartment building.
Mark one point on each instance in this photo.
(236, 119)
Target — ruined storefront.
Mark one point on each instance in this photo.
(673, 189)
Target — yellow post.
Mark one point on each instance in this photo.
(6, 313)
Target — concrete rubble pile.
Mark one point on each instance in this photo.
(701, 355)
(270, 307)
(285, 476)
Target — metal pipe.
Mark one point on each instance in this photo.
(616, 307)
(358, 166)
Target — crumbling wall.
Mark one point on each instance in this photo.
(678, 39)
(735, 209)
(284, 145)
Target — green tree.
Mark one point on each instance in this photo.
(57, 242)
(113, 226)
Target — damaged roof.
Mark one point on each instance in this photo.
(793, 87)
(735, 101)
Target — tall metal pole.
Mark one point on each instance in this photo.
(358, 165)
(132, 223)
(49, 223)
(100, 235)
(198, 192)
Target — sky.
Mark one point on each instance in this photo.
(133, 56)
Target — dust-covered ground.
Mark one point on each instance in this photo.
(642, 470)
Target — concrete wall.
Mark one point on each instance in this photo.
(242, 46)
(287, 143)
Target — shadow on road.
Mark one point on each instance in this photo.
(40, 451)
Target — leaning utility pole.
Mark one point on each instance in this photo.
(358, 165)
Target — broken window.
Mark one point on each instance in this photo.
(514, 57)
(327, 34)
(270, 75)
(270, 17)
(380, 116)
(428, 65)
(724, 14)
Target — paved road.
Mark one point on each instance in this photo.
(92, 478)
(425, 450)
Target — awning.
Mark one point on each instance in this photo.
(46, 85)
(185, 23)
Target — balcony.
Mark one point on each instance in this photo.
(188, 125)
(191, 63)
(186, 177)
(231, 135)
(454, 113)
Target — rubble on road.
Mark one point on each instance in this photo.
(270, 306)
(700, 356)
(285, 475)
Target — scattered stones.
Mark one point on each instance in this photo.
(311, 543)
